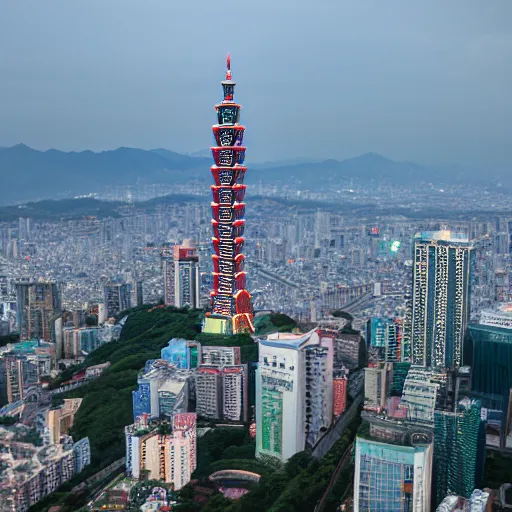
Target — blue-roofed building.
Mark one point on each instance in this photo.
(182, 353)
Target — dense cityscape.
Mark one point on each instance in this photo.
(313, 336)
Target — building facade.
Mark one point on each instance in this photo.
(186, 276)
(459, 450)
(60, 419)
(393, 468)
(340, 395)
(420, 396)
(38, 304)
(209, 392)
(80, 342)
(376, 381)
(220, 356)
(167, 258)
(167, 457)
(386, 335)
(441, 293)
(294, 392)
(162, 390)
(117, 297)
(490, 349)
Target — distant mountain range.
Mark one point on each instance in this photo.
(369, 167)
(28, 174)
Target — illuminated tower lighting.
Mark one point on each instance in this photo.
(231, 302)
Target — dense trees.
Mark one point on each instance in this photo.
(338, 313)
(274, 322)
(222, 443)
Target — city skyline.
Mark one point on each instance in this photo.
(351, 351)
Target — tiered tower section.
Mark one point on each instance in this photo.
(231, 302)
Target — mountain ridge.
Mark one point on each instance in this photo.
(28, 174)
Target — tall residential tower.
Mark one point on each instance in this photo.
(441, 288)
(231, 302)
(186, 275)
(294, 390)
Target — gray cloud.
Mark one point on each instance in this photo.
(428, 81)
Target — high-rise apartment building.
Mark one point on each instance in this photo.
(231, 302)
(139, 293)
(386, 334)
(23, 366)
(340, 384)
(180, 268)
(393, 467)
(459, 450)
(441, 292)
(420, 395)
(490, 355)
(118, 297)
(220, 356)
(222, 385)
(167, 457)
(167, 257)
(294, 390)
(80, 342)
(37, 305)
(376, 382)
(209, 392)
(60, 419)
(186, 276)
(15, 370)
(81, 454)
(235, 393)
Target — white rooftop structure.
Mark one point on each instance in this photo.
(500, 316)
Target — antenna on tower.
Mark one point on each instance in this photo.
(228, 65)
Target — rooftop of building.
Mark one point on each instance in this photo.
(500, 315)
(406, 434)
(444, 235)
(287, 340)
(477, 502)
(172, 386)
(502, 334)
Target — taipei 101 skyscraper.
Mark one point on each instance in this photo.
(231, 302)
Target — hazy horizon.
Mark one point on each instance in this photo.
(428, 82)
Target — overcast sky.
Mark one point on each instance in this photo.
(424, 80)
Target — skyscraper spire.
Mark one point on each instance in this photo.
(231, 302)
(228, 67)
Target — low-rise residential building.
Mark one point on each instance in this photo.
(32, 469)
